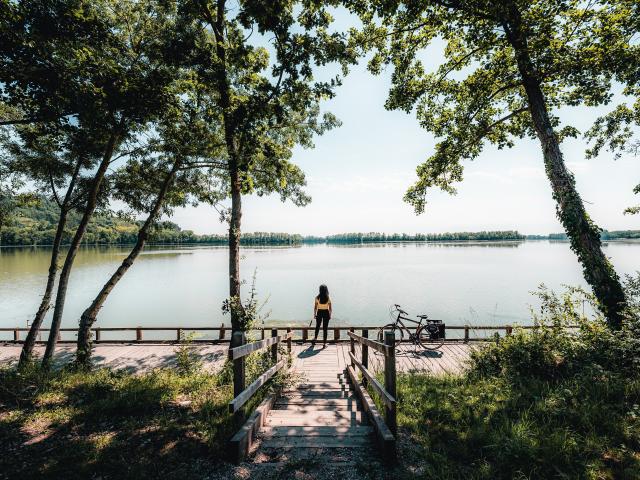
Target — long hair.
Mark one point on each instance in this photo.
(323, 296)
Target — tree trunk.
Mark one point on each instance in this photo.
(30, 341)
(222, 85)
(234, 250)
(583, 234)
(88, 318)
(63, 282)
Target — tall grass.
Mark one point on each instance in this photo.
(547, 403)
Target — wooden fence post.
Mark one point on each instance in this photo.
(262, 333)
(16, 334)
(305, 334)
(390, 379)
(365, 355)
(509, 329)
(466, 334)
(288, 340)
(97, 334)
(138, 334)
(274, 347)
(178, 334)
(238, 339)
(336, 334)
(353, 348)
(221, 336)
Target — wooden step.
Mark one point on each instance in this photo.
(322, 431)
(317, 408)
(316, 394)
(323, 402)
(313, 419)
(317, 442)
(322, 386)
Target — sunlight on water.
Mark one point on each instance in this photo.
(475, 283)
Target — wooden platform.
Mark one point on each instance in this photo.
(144, 357)
(132, 357)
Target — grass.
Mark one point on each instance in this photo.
(168, 423)
(494, 428)
(550, 403)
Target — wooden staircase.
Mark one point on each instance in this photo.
(322, 412)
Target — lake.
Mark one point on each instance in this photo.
(461, 283)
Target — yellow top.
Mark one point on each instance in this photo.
(322, 306)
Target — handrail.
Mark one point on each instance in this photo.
(388, 391)
(237, 353)
(224, 337)
(373, 381)
(247, 393)
(377, 346)
(248, 348)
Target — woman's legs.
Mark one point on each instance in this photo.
(325, 326)
(318, 320)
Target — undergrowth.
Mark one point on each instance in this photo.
(553, 402)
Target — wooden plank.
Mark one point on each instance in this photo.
(387, 398)
(336, 441)
(385, 439)
(313, 419)
(377, 346)
(317, 402)
(243, 350)
(310, 394)
(241, 442)
(236, 403)
(321, 431)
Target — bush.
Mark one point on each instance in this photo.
(545, 403)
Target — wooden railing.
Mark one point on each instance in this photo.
(300, 333)
(237, 353)
(385, 431)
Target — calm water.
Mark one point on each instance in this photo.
(475, 283)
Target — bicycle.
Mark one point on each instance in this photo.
(429, 334)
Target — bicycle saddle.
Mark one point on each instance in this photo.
(424, 317)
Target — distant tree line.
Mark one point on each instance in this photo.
(423, 237)
(34, 223)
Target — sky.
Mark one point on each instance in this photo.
(357, 175)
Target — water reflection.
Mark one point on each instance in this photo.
(479, 283)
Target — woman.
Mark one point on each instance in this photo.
(322, 314)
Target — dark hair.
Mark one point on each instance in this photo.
(323, 296)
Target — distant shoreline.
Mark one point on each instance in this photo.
(301, 244)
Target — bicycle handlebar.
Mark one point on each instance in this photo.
(400, 309)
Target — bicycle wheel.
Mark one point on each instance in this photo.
(392, 327)
(427, 341)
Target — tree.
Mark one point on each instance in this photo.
(51, 159)
(97, 66)
(154, 185)
(507, 66)
(620, 55)
(261, 115)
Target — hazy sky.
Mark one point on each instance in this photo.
(358, 173)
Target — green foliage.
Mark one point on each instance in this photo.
(373, 237)
(187, 360)
(68, 424)
(250, 311)
(544, 403)
(476, 95)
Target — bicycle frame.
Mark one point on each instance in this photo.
(401, 325)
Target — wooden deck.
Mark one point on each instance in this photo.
(321, 417)
(144, 357)
(132, 357)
